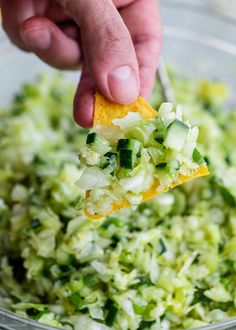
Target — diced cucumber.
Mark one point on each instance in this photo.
(104, 162)
(162, 168)
(162, 245)
(108, 160)
(176, 135)
(131, 144)
(91, 138)
(169, 168)
(160, 133)
(160, 138)
(111, 312)
(197, 157)
(128, 158)
(36, 223)
(110, 155)
(161, 165)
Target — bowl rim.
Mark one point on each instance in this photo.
(227, 324)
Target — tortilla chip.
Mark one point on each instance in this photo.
(104, 113)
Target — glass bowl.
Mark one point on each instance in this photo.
(198, 42)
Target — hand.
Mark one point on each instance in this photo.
(117, 43)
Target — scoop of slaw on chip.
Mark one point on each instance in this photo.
(134, 153)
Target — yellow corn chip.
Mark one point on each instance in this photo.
(105, 111)
(104, 114)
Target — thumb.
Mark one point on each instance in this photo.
(108, 48)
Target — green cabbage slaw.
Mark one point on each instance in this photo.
(138, 155)
(168, 265)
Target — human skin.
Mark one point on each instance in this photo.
(115, 43)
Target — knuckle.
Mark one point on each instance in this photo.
(108, 25)
(112, 37)
(116, 39)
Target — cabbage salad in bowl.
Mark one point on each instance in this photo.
(170, 264)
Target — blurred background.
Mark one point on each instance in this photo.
(199, 33)
(226, 6)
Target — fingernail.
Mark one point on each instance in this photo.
(123, 85)
(37, 39)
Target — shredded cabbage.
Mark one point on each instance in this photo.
(170, 264)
